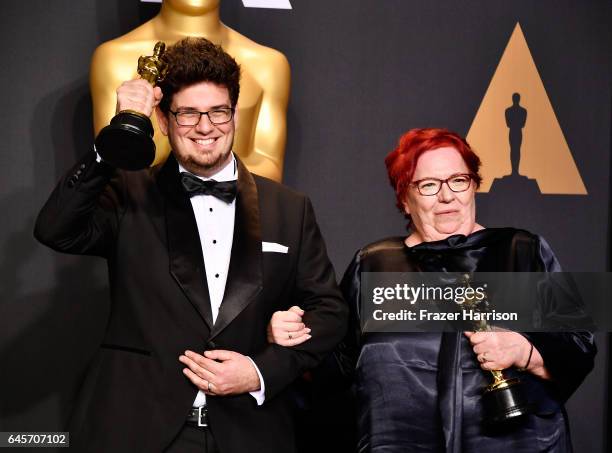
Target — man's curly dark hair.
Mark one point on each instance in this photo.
(195, 60)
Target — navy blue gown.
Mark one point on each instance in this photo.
(421, 392)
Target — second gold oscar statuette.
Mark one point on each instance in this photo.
(504, 399)
(127, 142)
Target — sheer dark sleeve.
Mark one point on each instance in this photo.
(347, 352)
(568, 355)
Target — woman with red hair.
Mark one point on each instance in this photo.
(423, 391)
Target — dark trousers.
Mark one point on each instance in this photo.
(193, 440)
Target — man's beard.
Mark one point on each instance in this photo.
(207, 169)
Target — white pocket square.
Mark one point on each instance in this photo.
(274, 247)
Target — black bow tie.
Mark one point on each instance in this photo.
(223, 190)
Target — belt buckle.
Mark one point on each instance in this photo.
(202, 419)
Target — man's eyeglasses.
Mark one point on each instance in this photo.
(192, 118)
(431, 186)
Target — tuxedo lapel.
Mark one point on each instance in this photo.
(184, 249)
(245, 276)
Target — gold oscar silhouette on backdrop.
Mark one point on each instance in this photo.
(264, 86)
(516, 131)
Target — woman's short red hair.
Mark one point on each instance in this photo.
(401, 162)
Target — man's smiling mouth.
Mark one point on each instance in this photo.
(204, 141)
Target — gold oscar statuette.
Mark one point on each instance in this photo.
(127, 142)
(504, 399)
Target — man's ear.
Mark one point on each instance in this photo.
(162, 120)
(235, 119)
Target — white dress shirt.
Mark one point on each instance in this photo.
(215, 220)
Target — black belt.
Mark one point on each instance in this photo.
(198, 417)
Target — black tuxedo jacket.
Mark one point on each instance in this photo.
(135, 397)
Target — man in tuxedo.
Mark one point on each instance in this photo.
(200, 254)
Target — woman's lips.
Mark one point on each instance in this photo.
(447, 213)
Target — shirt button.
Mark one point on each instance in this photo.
(210, 209)
(216, 275)
(214, 241)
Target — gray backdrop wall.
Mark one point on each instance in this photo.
(363, 72)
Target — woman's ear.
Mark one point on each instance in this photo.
(406, 207)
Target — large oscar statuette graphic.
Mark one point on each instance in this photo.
(127, 142)
(503, 399)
